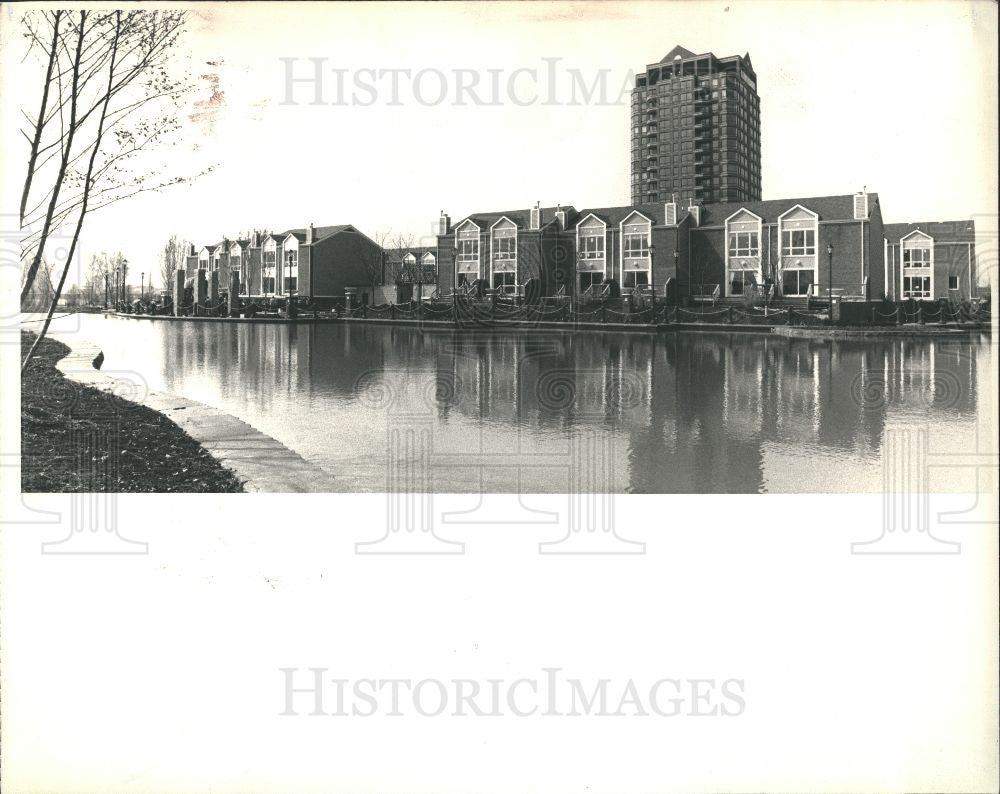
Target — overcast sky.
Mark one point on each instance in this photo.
(898, 97)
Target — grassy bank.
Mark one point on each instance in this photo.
(77, 438)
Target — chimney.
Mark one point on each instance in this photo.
(861, 206)
(561, 216)
(670, 211)
(444, 224)
(535, 220)
(192, 251)
(695, 211)
(310, 234)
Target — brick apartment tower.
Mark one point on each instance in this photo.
(696, 130)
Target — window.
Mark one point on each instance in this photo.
(291, 283)
(744, 244)
(798, 242)
(916, 257)
(916, 286)
(590, 279)
(505, 282)
(504, 246)
(468, 248)
(268, 258)
(636, 278)
(952, 282)
(636, 241)
(592, 243)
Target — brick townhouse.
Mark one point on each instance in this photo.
(931, 260)
(317, 262)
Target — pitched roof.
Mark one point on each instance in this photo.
(397, 254)
(829, 208)
(612, 216)
(953, 231)
(675, 52)
(521, 218)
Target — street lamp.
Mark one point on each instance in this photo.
(142, 285)
(829, 253)
(124, 279)
(652, 289)
(118, 287)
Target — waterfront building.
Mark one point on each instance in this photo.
(410, 274)
(504, 250)
(317, 262)
(695, 130)
(931, 260)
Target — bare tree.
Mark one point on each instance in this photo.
(374, 259)
(172, 258)
(107, 98)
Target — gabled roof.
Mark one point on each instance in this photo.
(678, 50)
(397, 254)
(829, 208)
(521, 218)
(951, 231)
(613, 216)
(319, 232)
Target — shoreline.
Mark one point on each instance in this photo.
(912, 330)
(263, 463)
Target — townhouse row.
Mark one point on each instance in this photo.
(680, 250)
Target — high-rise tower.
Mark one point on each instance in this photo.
(696, 129)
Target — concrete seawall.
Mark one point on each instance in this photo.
(263, 463)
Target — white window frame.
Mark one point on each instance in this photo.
(503, 256)
(204, 259)
(741, 222)
(916, 241)
(591, 227)
(468, 262)
(269, 246)
(798, 258)
(641, 263)
(290, 245)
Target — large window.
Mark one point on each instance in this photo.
(744, 244)
(268, 260)
(505, 282)
(916, 257)
(591, 257)
(798, 242)
(504, 246)
(467, 249)
(917, 287)
(799, 229)
(918, 266)
(743, 232)
(635, 251)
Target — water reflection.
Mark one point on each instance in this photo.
(675, 413)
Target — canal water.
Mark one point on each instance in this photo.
(400, 408)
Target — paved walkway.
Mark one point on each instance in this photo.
(265, 464)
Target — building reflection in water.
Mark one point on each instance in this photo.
(677, 413)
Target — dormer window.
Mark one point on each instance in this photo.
(428, 268)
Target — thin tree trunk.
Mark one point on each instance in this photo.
(83, 210)
(33, 158)
(33, 269)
